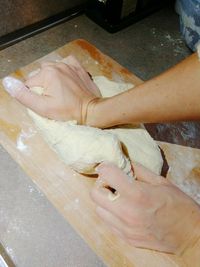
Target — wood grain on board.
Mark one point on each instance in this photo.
(65, 189)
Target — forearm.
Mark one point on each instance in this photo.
(171, 96)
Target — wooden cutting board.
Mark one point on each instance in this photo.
(65, 189)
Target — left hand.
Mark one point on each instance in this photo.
(150, 212)
(69, 92)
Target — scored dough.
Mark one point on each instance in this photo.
(83, 147)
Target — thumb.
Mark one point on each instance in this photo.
(18, 90)
(145, 175)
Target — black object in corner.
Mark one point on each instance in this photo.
(114, 15)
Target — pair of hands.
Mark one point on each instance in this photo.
(150, 212)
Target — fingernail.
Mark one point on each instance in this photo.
(12, 85)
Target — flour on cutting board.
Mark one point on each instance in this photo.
(184, 168)
(23, 136)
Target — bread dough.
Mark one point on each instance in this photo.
(140, 147)
(83, 147)
(110, 88)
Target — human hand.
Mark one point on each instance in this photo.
(150, 212)
(69, 93)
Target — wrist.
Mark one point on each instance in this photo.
(105, 112)
(96, 113)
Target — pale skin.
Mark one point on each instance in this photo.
(151, 212)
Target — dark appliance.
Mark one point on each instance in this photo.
(114, 15)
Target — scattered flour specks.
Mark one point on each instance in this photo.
(168, 40)
(16, 226)
(31, 189)
(35, 190)
(20, 144)
(21, 140)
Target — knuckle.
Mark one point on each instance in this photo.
(46, 64)
(51, 69)
(64, 68)
(61, 65)
(72, 57)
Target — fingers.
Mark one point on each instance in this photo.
(71, 67)
(78, 68)
(35, 80)
(45, 74)
(111, 175)
(18, 90)
(13, 86)
(47, 64)
(49, 74)
(145, 175)
(33, 101)
(101, 197)
(72, 61)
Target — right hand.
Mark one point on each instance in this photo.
(69, 92)
(149, 212)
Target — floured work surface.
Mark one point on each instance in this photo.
(65, 189)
